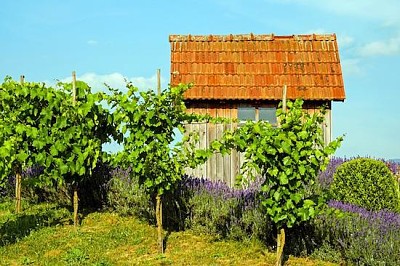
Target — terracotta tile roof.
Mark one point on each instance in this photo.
(257, 66)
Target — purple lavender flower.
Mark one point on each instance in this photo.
(122, 173)
(383, 217)
(247, 197)
(325, 178)
(33, 171)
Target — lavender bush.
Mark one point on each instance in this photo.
(93, 191)
(356, 235)
(127, 197)
(198, 204)
(360, 236)
(325, 178)
(28, 175)
(225, 212)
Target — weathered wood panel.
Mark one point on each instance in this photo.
(226, 168)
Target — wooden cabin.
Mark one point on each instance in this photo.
(242, 76)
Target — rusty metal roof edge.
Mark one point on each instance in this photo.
(250, 37)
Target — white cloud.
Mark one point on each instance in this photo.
(383, 10)
(351, 67)
(116, 81)
(317, 31)
(344, 40)
(92, 42)
(383, 47)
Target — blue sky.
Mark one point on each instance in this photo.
(105, 41)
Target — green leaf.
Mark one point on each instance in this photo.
(296, 197)
(283, 179)
(216, 145)
(303, 135)
(22, 156)
(81, 171)
(38, 144)
(308, 203)
(64, 169)
(277, 196)
(287, 161)
(286, 147)
(273, 171)
(302, 169)
(53, 150)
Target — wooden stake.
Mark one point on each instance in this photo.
(160, 239)
(75, 197)
(73, 87)
(18, 179)
(76, 205)
(158, 81)
(18, 176)
(284, 98)
(281, 233)
(280, 246)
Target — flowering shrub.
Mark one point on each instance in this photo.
(325, 178)
(127, 197)
(28, 176)
(93, 190)
(361, 237)
(356, 235)
(222, 211)
(198, 204)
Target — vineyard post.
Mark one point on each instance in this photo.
(18, 176)
(158, 196)
(281, 231)
(75, 186)
(284, 98)
(158, 81)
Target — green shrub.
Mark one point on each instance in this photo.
(367, 183)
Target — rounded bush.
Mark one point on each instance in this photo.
(367, 183)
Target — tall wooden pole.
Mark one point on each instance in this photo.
(158, 81)
(281, 237)
(158, 197)
(284, 98)
(75, 197)
(73, 88)
(18, 181)
(18, 170)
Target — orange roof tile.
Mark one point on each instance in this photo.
(257, 66)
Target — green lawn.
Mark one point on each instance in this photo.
(42, 235)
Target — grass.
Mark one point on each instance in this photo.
(109, 239)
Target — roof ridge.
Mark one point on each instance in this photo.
(249, 37)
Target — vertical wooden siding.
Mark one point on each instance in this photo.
(226, 168)
(218, 167)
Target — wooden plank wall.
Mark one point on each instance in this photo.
(312, 107)
(226, 168)
(218, 167)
